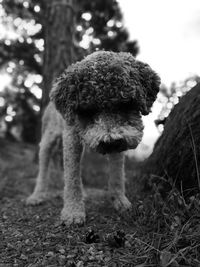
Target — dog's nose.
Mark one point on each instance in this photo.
(118, 145)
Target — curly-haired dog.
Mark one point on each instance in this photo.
(100, 102)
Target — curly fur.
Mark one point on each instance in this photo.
(103, 80)
(111, 127)
(101, 99)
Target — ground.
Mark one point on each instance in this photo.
(155, 233)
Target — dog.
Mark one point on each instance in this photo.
(97, 102)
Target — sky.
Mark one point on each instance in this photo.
(168, 34)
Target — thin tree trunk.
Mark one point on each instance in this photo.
(59, 41)
(59, 24)
(176, 154)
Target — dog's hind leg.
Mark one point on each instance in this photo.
(40, 193)
(74, 209)
(116, 183)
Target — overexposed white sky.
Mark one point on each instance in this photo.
(168, 33)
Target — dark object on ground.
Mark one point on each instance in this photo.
(176, 154)
(116, 239)
(91, 237)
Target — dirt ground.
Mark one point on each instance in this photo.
(34, 236)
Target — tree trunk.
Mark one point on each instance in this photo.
(59, 41)
(59, 24)
(176, 154)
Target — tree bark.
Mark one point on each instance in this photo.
(176, 154)
(59, 41)
(59, 24)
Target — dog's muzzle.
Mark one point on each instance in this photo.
(118, 145)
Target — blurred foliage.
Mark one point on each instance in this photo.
(169, 97)
(99, 26)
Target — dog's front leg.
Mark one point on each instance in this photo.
(73, 210)
(117, 182)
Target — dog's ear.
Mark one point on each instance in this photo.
(63, 95)
(150, 84)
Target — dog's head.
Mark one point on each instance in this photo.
(104, 96)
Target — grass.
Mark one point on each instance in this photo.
(161, 230)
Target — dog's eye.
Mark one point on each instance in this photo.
(87, 113)
(127, 107)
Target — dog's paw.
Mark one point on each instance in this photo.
(121, 203)
(36, 199)
(70, 216)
